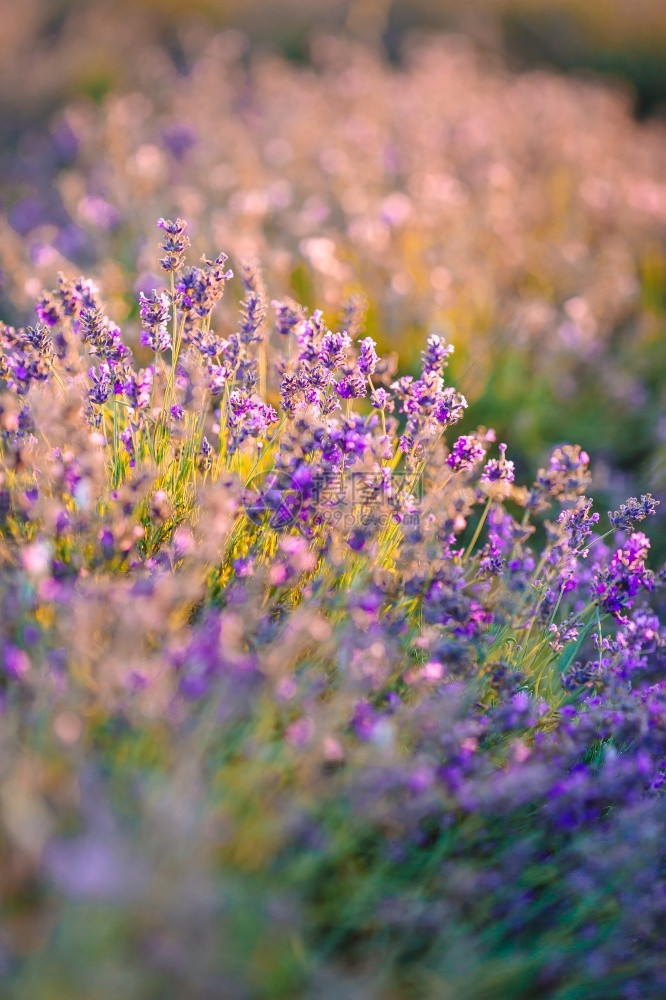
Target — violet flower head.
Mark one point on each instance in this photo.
(567, 475)
(616, 585)
(101, 336)
(253, 307)
(249, 417)
(498, 475)
(101, 383)
(633, 510)
(288, 316)
(333, 349)
(155, 316)
(367, 356)
(382, 400)
(435, 357)
(578, 522)
(466, 452)
(174, 243)
(352, 386)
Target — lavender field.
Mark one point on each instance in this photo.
(332, 491)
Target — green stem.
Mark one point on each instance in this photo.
(479, 527)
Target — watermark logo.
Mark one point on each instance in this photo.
(345, 498)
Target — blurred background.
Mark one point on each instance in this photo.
(491, 169)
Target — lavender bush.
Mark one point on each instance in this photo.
(522, 214)
(303, 694)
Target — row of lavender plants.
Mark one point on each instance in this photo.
(303, 695)
(522, 214)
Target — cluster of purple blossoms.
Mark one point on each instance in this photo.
(175, 243)
(615, 586)
(382, 400)
(567, 475)
(633, 510)
(498, 475)
(333, 350)
(155, 316)
(67, 300)
(249, 417)
(101, 336)
(436, 355)
(350, 386)
(578, 522)
(465, 453)
(25, 356)
(306, 387)
(102, 380)
(367, 356)
(288, 317)
(253, 306)
(430, 407)
(139, 387)
(309, 335)
(199, 289)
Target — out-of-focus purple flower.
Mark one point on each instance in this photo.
(288, 316)
(567, 475)
(179, 138)
(15, 661)
(253, 306)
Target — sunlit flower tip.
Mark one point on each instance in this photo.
(368, 358)
(174, 243)
(436, 355)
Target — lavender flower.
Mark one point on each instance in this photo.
(435, 357)
(382, 400)
(288, 316)
(253, 306)
(616, 585)
(633, 510)
(333, 350)
(466, 452)
(175, 243)
(155, 316)
(367, 356)
(498, 475)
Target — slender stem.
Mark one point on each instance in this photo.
(479, 527)
(382, 416)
